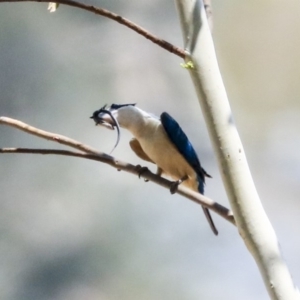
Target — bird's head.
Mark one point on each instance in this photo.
(113, 117)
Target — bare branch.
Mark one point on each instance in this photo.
(93, 154)
(252, 222)
(108, 14)
(49, 136)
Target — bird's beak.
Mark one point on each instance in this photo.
(104, 119)
(107, 119)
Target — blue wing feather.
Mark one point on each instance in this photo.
(184, 146)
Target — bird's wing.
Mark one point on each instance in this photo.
(184, 146)
(137, 149)
(206, 174)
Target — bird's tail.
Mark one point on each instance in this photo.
(210, 220)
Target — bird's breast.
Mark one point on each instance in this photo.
(157, 145)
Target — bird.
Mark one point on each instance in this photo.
(160, 141)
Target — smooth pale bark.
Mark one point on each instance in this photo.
(252, 221)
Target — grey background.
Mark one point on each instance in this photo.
(75, 229)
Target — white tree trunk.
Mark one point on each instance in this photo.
(251, 219)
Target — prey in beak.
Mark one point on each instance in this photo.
(104, 117)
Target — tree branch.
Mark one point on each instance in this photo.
(50, 136)
(108, 14)
(93, 154)
(251, 219)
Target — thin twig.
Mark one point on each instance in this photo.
(102, 157)
(50, 136)
(113, 16)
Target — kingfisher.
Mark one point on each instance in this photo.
(160, 141)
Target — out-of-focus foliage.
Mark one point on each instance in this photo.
(74, 229)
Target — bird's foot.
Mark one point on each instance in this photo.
(141, 170)
(175, 184)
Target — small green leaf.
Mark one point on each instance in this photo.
(188, 65)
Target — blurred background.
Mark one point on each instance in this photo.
(77, 229)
